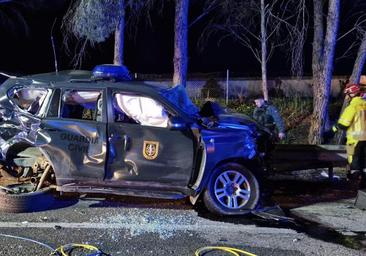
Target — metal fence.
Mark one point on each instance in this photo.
(239, 88)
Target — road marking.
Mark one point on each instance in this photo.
(149, 227)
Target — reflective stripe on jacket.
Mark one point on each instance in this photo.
(354, 117)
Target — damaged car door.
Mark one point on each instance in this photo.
(77, 126)
(144, 148)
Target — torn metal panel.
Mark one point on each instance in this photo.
(20, 109)
(23, 128)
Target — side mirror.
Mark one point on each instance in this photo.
(177, 123)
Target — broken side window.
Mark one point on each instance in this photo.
(139, 110)
(83, 105)
(29, 99)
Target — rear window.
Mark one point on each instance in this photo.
(29, 99)
(83, 105)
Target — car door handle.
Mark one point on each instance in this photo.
(126, 142)
(112, 149)
(114, 138)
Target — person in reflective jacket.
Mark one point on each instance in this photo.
(353, 119)
(268, 116)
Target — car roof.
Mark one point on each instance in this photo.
(82, 79)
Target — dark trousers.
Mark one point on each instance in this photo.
(359, 160)
(359, 156)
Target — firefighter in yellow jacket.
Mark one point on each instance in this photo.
(353, 119)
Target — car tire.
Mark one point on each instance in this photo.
(232, 189)
(40, 200)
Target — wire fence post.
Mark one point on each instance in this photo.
(227, 87)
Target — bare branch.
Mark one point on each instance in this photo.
(359, 23)
(348, 52)
(212, 5)
(285, 22)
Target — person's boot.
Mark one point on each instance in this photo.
(353, 174)
(362, 185)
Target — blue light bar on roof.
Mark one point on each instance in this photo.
(110, 71)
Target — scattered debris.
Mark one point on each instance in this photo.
(360, 202)
(57, 227)
(149, 221)
(274, 213)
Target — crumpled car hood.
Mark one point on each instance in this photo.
(241, 122)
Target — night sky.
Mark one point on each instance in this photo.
(27, 49)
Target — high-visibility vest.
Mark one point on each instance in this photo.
(354, 117)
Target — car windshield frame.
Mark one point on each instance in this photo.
(178, 97)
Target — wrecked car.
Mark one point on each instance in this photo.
(92, 132)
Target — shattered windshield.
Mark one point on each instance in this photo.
(179, 98)
(28, 99)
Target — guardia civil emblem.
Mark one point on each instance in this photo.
(151, 150)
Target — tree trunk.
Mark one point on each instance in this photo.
(318, 39)
(180, 60)
(360, 62)
(323, 61)
(264, 51)
(320, 108)
(119, 36)
(316, 67)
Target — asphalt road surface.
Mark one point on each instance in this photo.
(129, 226)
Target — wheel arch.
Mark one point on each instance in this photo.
(16, 148)
(252, 164)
